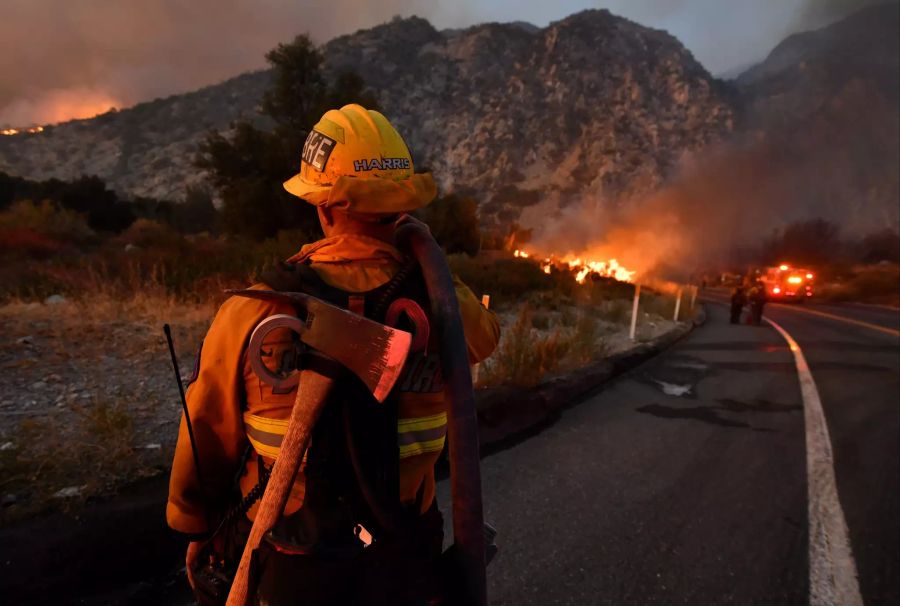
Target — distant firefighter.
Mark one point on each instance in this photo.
(738, 300)
(757, 302)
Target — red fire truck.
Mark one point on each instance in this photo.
(787, 283)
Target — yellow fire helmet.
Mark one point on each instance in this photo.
(355, 159)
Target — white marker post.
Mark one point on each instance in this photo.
(693, 296)
(486, 301)
(677, 305)
(634, 310)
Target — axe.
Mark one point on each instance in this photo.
(373, 352)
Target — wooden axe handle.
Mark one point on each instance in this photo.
(311, 397)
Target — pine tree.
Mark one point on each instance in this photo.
(248, 168)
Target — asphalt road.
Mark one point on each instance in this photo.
(643, 496)
(685, 480)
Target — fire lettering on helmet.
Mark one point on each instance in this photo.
(317, 149)
(381, 164)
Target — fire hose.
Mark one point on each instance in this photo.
(465, 471)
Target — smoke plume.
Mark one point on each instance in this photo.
(724, 202)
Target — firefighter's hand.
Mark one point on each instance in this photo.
(407, 219)
(190, 558)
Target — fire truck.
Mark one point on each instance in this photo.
(786, 283)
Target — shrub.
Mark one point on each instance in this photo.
(541, 321)
(46, 218)
(586, 344)
(615, 312)
(453, 220)
(607, 289)
(871, 283)
(659, 304)
(94, 453)
(882, 245)
(510, 279)
(147, 233)
(524, 357)
(102, 207)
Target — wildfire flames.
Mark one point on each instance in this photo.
(15, 131)
(583, 267)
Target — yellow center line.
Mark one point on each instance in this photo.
(869, 325)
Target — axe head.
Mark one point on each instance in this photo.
(373, 352)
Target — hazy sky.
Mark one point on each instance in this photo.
(61, 59)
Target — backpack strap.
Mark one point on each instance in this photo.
(300, 277)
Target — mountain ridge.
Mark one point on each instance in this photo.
(590, 101)
(592, 106)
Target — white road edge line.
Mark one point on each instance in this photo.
(832, 570)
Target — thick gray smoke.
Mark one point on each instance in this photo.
(720, 200)
(823, 144)
(726, 201)
(816, 13)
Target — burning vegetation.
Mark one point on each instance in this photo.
(583, 268)
(33, 130)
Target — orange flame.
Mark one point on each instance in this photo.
(15, 131)
(583, 268)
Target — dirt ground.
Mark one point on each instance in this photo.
(87, 396)
(88, 401)
(89, 408)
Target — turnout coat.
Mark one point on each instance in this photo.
(231, 408)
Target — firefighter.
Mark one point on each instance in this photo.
(358, 172)
(757, 302)
(738, 300)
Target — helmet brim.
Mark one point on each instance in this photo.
(368, 195)
(298, 187)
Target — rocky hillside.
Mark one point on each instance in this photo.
(590, 108)
(806, 70)
(827, 105)
(145, 150)
(590, 104)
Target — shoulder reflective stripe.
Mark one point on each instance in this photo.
(411, 450)
(420, 423)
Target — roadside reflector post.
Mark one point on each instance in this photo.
(634, 311)
(486, 301)
(677, 304)
(693, 296)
